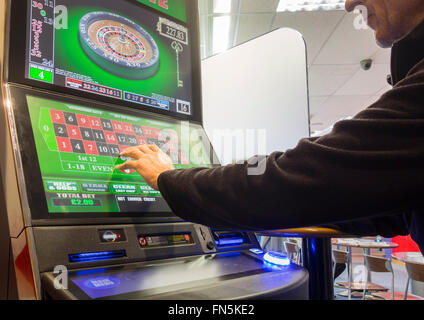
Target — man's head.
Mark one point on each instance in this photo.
(390, 19)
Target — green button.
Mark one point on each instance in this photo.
(124, 188)
(41, 75)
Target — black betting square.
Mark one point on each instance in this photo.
(60, 130)
(77, 146)
(99, 136)
(87, 134)
(114, 150)
(70, 118)
(122, 139)
(106, 125)
(132, 141)
(103, 149)
(138, 130)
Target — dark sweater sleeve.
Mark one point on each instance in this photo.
(370, 166)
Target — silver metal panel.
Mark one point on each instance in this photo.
(20, 269)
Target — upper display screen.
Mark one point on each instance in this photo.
(128, 52)
(78, 148)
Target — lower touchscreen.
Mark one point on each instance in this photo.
(78, 148)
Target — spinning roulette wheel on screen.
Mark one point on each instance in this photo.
(119, 45)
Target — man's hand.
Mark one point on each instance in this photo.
(149, 162)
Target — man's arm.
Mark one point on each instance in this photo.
(368, 166)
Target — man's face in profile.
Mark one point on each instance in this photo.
(390, 19)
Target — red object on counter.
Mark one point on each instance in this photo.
(406, 244)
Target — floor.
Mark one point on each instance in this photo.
(383, 279)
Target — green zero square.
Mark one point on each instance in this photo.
(41, 75)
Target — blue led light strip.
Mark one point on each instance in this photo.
(96, 256)
(229, 242)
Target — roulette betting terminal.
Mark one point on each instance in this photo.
(81, 81)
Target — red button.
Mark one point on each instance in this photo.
(142, 241)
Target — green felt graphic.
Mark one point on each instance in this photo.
(70, 56)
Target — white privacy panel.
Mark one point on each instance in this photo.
(258, 93)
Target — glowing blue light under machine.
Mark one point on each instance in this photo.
(275, 258)
(229, 242)
(96, 256)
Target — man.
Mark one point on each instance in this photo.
(365, 178)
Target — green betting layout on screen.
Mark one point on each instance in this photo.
(78, 148)
(117, 49)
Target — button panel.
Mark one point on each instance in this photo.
(155, 241)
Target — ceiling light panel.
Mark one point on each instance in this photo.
(221, 33)
(310, 5)
(222, 6)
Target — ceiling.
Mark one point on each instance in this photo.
(338, 87)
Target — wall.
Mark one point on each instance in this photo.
(258, 85)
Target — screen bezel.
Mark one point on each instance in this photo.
(16, 59)
(34, 188)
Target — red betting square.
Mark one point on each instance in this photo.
(83, 121)
(91, 148)
(152, 133)
(118, 126)
(64, 144)
(57, 116)
(95, 123)
(128, 128)
(110, 137)
(141, 140)
(74, 132)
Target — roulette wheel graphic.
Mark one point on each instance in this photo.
(119, 45)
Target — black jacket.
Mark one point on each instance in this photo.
(366, 177)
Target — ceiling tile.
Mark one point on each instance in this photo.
(386, 88)
(324, 80)
(252, 26)
(249, 6)
(378, 95)
(336, 108)
(315, 26)
(372, 100)
(345, 105)
(382, 56)
(315, 104)
(366, 82)
(347, 45)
